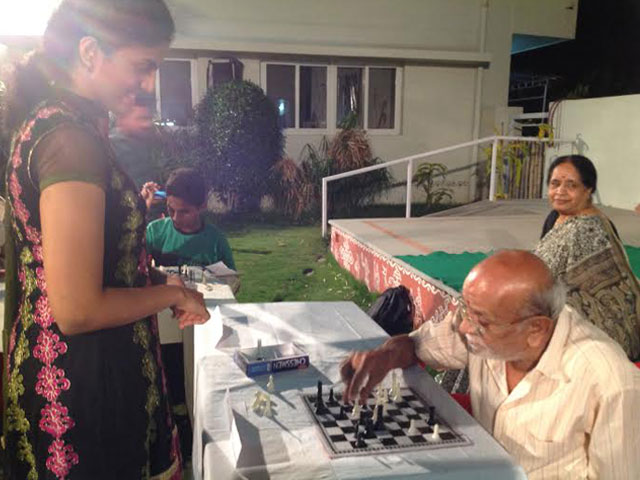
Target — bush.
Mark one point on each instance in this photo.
(238, 132)
(292, 191)
(348, 150)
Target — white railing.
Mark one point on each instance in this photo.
(409, 160)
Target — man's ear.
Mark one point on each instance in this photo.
(538, 330)
(89, 53)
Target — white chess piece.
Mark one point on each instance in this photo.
(379, 393)
(436, 432)
(257, 401)
(374, 419)
(413, 430)
(270, 385)
(355, 413)
(395, 388)
(267, 406)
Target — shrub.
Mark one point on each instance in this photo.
(238, 132)
(435, 193)
(292, 191)
(350, 150)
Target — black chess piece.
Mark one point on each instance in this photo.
(379, 425)
(360, 443)
(332, 400)
(342, 414)
(320, 408)
(363, 416)
(432, 416)
(369, 428)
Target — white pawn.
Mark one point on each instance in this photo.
(395, 388)
(270, 385)
(355, 413)
(374, 419)
(413, 430)
(379, 394)
(267, 406)
(257, 401)
(436, 433)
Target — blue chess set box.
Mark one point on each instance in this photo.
(270, 359)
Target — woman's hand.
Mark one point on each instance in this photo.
(191, 309)
(175, 280)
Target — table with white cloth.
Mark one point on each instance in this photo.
(232, 441)
(214, 294)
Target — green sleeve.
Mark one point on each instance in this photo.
(69, 153)
(225, 252)
(150, 238)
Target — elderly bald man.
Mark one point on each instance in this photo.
(552, 388)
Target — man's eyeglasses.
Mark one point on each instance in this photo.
(480, 327)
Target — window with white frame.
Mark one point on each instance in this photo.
(299, 93)
(175, 91)
(330, 96)
(379, 85)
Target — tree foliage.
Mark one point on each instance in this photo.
(240, 141)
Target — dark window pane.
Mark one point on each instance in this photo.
(223, 71)
(281, 89)
(382, 98)
(313, 97)
(175, 91)
(349, 94)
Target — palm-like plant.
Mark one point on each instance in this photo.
(425, 177)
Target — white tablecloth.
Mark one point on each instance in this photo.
(288, 445)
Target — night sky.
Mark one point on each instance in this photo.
(603, 60)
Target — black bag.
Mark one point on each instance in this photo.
(393, 311)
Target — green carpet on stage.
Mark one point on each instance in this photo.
(452, 268)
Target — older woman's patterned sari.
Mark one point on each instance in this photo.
(587, 255)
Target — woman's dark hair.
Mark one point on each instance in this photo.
(583, 165)
(187, 184)
(113, 23)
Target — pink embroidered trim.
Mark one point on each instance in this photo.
(55, 419)
(51, 380)
(62, 458)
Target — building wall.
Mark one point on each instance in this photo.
(436, 42)
(608, 128)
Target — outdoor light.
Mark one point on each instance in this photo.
(26, 17)
(281, 107)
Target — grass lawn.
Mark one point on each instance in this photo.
(291, 263)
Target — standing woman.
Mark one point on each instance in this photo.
(86, 395)
(581, 247)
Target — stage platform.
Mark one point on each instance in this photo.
(369, 248)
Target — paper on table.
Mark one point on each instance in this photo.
(219, 269)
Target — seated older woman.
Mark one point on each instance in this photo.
(581, 246)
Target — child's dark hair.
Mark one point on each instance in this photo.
(113, 23)
(188, 185)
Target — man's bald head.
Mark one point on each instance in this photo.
(516, 281)
(511, 302)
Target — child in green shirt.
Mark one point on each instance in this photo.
(184, 238)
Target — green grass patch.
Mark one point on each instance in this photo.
(285, 263)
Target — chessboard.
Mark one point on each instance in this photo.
(406, 424)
